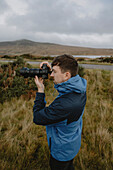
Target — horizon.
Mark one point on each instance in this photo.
(23, 39)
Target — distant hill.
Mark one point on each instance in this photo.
(37, 48)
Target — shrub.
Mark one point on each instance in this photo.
(80, 59)
(6, 56)
(14, 85)
(81, 71)
(106, 59)
(19, 62)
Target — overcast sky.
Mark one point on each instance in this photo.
(87, 23)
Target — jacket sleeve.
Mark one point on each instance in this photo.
(54, 113)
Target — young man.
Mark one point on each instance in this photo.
(63, 117)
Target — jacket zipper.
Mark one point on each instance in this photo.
(50, 144)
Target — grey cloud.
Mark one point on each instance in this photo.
(3, 6)
(59, 16)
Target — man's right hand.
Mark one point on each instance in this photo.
(45, 62)
(39, 81)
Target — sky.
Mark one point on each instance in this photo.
(86, 23)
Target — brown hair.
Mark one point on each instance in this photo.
(66, 63)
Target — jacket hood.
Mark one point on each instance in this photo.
(74, 84)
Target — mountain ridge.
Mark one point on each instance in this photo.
(25, 46)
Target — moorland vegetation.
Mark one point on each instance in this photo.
(106, 60)
(23, 145)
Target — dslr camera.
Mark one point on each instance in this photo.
(26, 72)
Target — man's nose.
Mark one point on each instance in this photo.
(52, 74)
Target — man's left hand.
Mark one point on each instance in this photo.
(39, 84)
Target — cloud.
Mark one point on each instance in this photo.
(84, 40)
(63, 21)
(18, 7)
(3, 7)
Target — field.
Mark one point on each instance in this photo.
(23, 145)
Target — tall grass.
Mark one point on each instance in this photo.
(23, 145)
(97, 139)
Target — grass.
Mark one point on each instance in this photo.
(23, 145)
(21, 141)
(95, 63)
(97, 138)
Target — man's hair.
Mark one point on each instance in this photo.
(66, 63)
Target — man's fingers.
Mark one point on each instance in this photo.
(40, 79)
(45, 62)
(41, 64)
(39, 84)
(36, 78)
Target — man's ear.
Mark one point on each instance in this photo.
(67, 75)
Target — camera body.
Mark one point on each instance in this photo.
(26, 72)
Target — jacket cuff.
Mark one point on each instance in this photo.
(40, 95)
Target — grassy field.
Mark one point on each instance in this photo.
(23, 145)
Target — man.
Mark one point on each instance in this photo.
(63, 117)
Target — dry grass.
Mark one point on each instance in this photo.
(23, 145)
(20, 138)
(97, 139)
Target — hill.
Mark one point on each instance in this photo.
(37, 48)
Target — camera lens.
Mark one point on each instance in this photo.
(26, 72)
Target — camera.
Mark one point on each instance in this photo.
(26, 72)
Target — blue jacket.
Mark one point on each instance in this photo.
(63, 117)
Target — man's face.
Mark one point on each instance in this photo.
(57, 75)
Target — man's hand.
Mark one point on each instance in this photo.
(45, 62)
(39, 84)
(39, 81)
